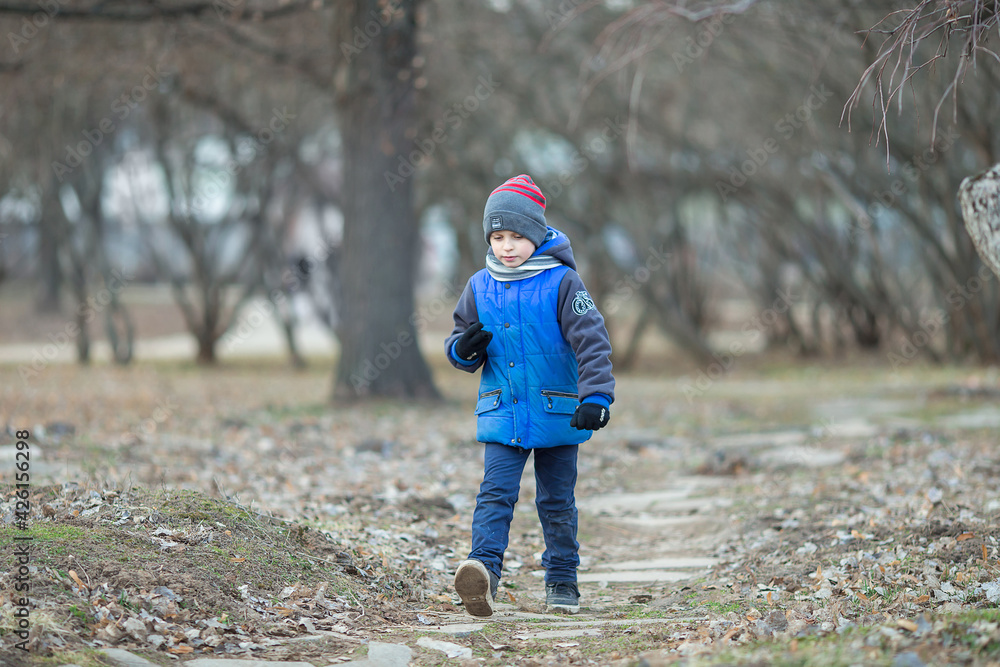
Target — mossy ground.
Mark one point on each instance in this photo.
(212, 554)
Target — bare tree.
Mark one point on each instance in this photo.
(377, 110)
(379, 351)
(880, 251)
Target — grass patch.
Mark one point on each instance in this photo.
(81, 658)
(116, 552)
(722, 607)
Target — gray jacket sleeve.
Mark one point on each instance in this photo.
(583, 327)
(466, 314)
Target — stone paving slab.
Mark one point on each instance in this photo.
(632, 576)
(852, 428)
(559, 634)
(803, 456)
(656, 522)
(756, 440)
(465, 623)
(382, 655)
(665, 562)
(987, 417)
(449, 649)
(122, 658)
(648, 501)
(243, 662)
(564, 626)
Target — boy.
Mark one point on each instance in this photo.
(529, 323)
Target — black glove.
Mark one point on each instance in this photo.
(590, 417)
(473, 342)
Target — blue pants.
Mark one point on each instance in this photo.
(555, 479)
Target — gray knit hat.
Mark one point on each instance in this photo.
(519, 206)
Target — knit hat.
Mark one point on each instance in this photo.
(519, 206)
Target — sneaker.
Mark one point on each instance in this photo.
(562, 596)
(477, 587)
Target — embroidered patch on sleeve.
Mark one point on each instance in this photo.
(582, 303)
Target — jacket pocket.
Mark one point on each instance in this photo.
(489, 400)
(559, 402)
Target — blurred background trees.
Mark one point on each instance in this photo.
(724, 176)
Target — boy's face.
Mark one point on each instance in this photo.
(511, 248)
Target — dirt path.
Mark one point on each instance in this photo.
(699, 520)
(675, 531)
(649, 547)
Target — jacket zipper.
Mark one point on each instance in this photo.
(546, 392)
(491, 393)
(558, 394)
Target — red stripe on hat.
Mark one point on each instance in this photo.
(527, 185)
(525, 180)
(524, 191)
(519, 180)
(522, 179)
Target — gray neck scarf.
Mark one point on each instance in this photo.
(531, 267)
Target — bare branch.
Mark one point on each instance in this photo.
(969, 18)
(707, 9)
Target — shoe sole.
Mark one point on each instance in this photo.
(472, 583)
(564, 608)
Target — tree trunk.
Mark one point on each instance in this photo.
(980, 199)
(120, 331)
(51, 277)
(206, 348)
(78, 285)
(379, 351)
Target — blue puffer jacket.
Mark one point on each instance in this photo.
(549, 349)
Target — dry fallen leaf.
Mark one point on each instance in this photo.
(181, 649)
(79, 582)
(964, 536)
(907, 624)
